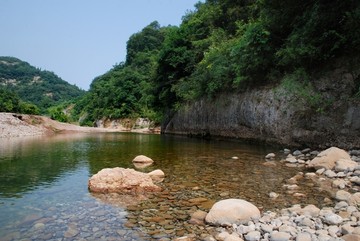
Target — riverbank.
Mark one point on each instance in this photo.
(333, 170)
(21, 125)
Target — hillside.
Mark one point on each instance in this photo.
(283, 71)
(40, 87)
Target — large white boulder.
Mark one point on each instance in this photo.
(232, 211)
(327, 158)
(121, 180)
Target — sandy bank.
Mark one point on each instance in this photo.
(19, 125)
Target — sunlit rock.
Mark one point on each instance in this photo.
(345, 165)
(157, 175)
(327, 158)
(232, 211)
(332, 219)
(142, 159)
(342, 195)
(354, 199)
(120, 180)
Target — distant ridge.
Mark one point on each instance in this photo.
(40, 87)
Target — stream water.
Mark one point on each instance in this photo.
(44, 194)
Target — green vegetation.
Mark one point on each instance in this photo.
(10, 102)
(32, 85)
(126, 90)
(226, 46)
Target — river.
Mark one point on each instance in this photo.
(44, 194)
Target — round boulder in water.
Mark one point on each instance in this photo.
(232, 211)
(142, 159)
(157, 175)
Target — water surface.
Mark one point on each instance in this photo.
(44, 195)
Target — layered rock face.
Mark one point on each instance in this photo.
(278, 114)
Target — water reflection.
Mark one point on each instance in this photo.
(44, 195)
(27, 163)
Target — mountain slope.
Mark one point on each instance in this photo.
(40, 87)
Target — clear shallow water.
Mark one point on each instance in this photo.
(44, 195)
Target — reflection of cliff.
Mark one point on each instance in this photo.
(27, 163)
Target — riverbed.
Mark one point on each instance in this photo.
(44, 194)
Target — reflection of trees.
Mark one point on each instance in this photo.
(118, 150)
(26, 163)
(29, 163)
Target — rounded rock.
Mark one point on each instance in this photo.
(232, 211)
(332, 219)
(303, 237)
(327, 158)
(279, 236)
(157, 175)
(253, 236)
(142, 159)
(354, 199)
(351, 237)
(270, 155)
(342, 195)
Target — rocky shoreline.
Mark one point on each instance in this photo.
(302, 223)
(338, 218)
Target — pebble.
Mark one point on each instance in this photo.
(330, 173)
(342, 195)
(279, 236)
(270, 156)
(253, 236)
(303, 237)
(273, 195)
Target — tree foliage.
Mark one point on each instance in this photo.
(224, 46)
(10, 102)
(126, 89)
(33, 85)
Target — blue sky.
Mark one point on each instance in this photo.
(79, 39)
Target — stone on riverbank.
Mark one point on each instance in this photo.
(198, 218)
(270, 156)
(120, 180)
(327, 159)
(232, 211)
(345, 165)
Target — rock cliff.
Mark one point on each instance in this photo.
(326, 114)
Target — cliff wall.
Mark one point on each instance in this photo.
(326, 114)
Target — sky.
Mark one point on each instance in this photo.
(79, 39)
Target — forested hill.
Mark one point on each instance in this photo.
(40, 87)
(229, 46)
